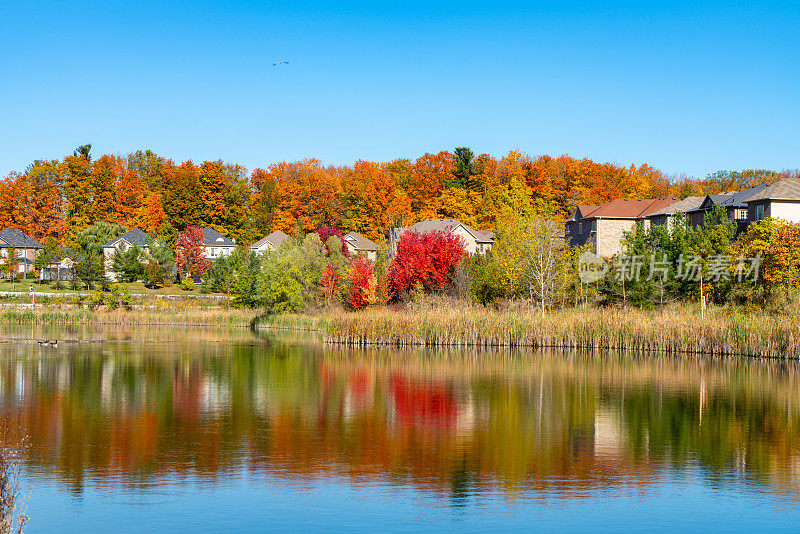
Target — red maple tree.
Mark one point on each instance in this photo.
(326, 232)
(428, 259)
(190, 256)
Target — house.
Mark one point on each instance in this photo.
(358, 245)
(217, 245)
(270, 242)
(732, 201)
(475, 241)
(664, 216)
(62, 268)
(124, 242)
(603, 227)
(27, 248)
(780, 200)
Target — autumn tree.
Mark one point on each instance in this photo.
(190, 256)
(363, 285)
(106, 172)
(426, 259)
(181, 198)
(309, 196)
(263, 201)
(146, 166)
(78, 188)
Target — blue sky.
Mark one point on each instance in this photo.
(685, 86)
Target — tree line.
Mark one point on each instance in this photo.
(57, 199)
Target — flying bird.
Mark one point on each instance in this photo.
(280, 63)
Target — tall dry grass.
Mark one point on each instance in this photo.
(168, 315)
(721, 332)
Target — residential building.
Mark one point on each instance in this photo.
(475, 241)
(270, 242)
(61, 269)
(124, 242)
(27, 248)
(732, 201)
(217, 245)
(780, 200)
(603, 227)
(358, 245)
(664, 216)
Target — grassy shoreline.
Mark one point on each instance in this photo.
(679, 330)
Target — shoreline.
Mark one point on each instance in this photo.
(678, 330)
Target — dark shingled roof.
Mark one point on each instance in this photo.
(360, 242)
(737, 200)
(212, 238)
(134, 237)
(18, 238)
(786, 189)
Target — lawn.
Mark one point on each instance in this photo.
(21, 286)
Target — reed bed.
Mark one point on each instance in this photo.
(722, 332)
(165, 316)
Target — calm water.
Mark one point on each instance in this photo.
(211, 430)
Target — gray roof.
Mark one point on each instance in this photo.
(732, 199)
(448, 225)
(212, 238)
(360, 242)
(737, 200)
(687, 204)
(18, 238)
(786, 189)
(275, 239)
(133, 236)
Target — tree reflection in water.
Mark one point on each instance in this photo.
(453, 424)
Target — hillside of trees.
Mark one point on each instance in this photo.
(54, 200)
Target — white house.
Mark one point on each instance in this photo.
(217, 245)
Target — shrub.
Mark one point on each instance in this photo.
(363, 285)
(187, 284)
(428, 259)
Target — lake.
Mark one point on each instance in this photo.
(209, 430)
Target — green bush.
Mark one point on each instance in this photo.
(187, 284)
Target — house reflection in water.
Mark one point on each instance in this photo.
(561, 424)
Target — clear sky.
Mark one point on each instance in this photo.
(685, 86)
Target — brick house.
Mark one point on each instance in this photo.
(27, 248)
(664, 216)
(603, 226)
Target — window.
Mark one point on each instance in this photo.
(759, 212)
(580, 227)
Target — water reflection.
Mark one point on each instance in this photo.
(214, 404)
